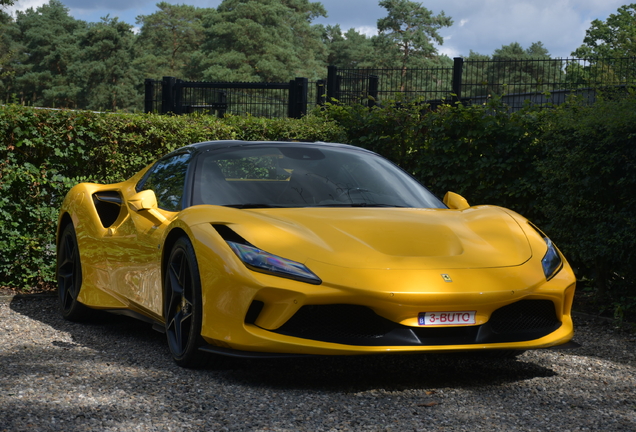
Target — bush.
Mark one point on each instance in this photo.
(45, 152)
(588, 194)
(484, 153)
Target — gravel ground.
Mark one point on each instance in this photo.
(115, 374)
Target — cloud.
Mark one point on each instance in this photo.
(488, 25)
(367, 30)
(352, 13)
(112, 5)
(22, 5)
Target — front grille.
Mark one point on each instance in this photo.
(359, 325)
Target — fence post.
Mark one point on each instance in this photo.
(149, 99)
(301, 97)
(321, 92)
(332, 83)
(374, 81)
(222, 99)
(167, 95)
(291, 106)
(458, 68)
(298, 89)
(178, 97)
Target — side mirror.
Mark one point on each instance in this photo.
(146, 200)
(455, 201)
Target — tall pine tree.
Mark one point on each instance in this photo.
(408, 35)
(263, 40)
(104, 72)
(168, 40)
(46, 47)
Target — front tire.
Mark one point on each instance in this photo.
(69, 276)
(182, 305)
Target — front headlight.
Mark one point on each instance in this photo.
(551, 261)
(264, 262)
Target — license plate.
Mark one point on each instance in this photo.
(446, 318)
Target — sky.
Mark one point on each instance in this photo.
(478, 25)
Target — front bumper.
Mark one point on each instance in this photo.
(321, 320)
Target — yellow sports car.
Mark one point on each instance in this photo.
(263, 249)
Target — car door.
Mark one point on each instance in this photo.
(135, 255)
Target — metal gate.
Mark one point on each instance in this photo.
(172, 95)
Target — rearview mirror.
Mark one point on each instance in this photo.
(455, 201)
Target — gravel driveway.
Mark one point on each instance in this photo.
(115, 374)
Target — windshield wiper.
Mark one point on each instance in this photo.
(361, 204)
(263, 205)
(365, 204)
(253, 205)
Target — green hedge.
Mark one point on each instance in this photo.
(588, 174)
(44, 152)
(571, 169)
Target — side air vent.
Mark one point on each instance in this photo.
(108, 205)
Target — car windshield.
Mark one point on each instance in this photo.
(304, 175)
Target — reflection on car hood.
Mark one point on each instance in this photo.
(379, 238)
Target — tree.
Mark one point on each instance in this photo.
(6, 52)
(348, 50)
(103, 74)
(515, 51)
(407, 34)
(615, 37)
(263, 40)
(168, 39)
(63, 62)
(45, 47)
(608, 47)
(522, 70)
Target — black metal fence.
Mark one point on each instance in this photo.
(518, 82)
(175, 96)
(371, 86)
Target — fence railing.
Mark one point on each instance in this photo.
(371, 86)
(518, 82)
(175, 96)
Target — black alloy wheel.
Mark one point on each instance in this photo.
(69, 276)
(182, 305)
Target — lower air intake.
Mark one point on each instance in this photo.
(358, 325)
(532, 317)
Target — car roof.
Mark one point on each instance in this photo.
(224, 144)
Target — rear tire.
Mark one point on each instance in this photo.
(69, 276)
(182, 305)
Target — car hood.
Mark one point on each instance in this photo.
(379, 238)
